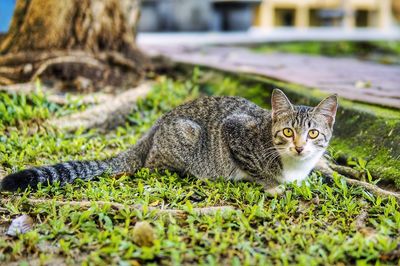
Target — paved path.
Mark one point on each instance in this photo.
(255, 35)
(350, 78)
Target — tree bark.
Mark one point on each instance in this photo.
(396, 10)
(71, 40)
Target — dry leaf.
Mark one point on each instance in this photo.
(20, 225)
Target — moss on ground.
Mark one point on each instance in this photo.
(316, 224)
(385, 52)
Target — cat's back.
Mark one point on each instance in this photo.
(215, 108)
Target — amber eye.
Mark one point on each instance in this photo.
(313, 133)
(288, 132)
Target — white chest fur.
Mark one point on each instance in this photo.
(297, 170)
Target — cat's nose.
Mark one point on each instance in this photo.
(299, 149)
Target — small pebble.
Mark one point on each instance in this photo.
(143, 234)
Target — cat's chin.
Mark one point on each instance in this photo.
(300, 157)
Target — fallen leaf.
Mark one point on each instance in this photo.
(20, 225)
(154, 203)
(361, 84)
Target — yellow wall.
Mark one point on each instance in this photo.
(267, 15)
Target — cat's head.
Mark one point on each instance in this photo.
(301, 131)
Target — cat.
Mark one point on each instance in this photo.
(212, 137)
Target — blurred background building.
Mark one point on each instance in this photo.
(241, 15)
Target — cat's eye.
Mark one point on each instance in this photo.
(313, 133)
(287, 132)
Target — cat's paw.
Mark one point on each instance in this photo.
(274, 191)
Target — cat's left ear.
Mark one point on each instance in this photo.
(280, 103)
(328, 107)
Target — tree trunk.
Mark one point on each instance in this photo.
(71, 41)
(396, 10)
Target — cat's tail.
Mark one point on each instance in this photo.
(127, 162)
(65, 172)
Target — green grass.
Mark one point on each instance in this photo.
(318, 224)
(385, 52)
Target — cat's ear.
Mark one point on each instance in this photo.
(280, 103)
(328, 107)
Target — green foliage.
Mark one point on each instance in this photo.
(338, 48)
(19, 109)
(361, 165)
(15, 109)
(386, 52)
(315, 224)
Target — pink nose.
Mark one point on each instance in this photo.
(299, 149)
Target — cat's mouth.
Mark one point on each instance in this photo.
(296, 156)
(299, 156)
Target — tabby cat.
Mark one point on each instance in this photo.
(214, 137)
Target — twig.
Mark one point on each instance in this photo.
(345, 170)
(24, 88)
(118, 206)
(105, 115)
(57, 96)
(374, 189)
(323, 167)
(93, 98)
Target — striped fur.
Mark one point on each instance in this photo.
(64, 173)
(67, 172)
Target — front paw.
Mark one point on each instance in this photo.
(274, 191)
